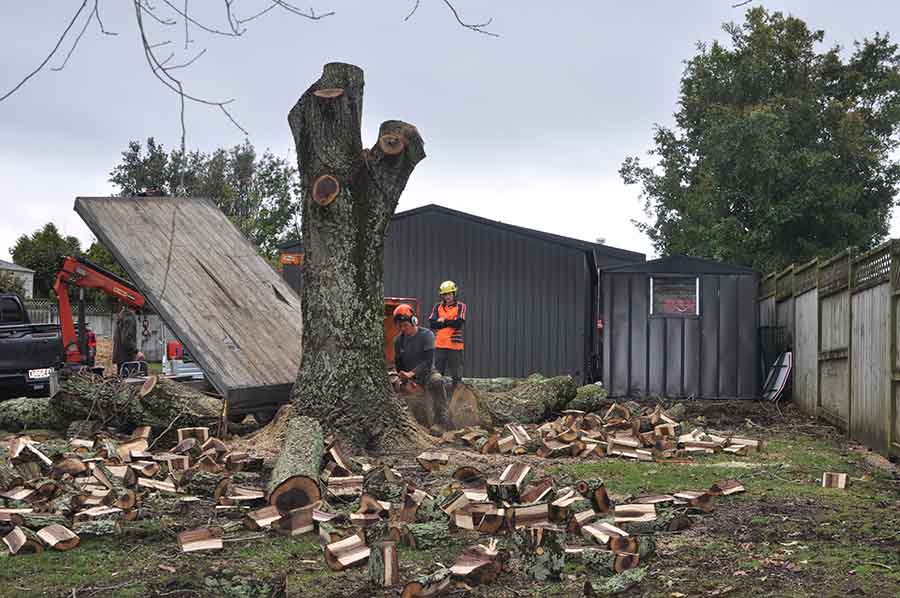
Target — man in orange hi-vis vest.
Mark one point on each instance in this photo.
(447, 320)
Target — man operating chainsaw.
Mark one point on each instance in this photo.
(414, 362)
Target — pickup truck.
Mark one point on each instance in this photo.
(30, 354)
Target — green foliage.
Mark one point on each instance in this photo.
(780, 152)
(11, 283)
(41, 251)
(260, 194)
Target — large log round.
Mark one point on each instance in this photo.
(294, 481)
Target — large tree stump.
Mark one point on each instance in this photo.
(342, 381)
(294, 481)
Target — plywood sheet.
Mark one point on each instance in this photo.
(229, 307)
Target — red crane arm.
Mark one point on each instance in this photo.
(81, 273)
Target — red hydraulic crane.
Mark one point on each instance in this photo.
(79, 272)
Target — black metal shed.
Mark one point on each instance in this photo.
(680, 326)
(533, 297)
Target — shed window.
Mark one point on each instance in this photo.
(674, 296)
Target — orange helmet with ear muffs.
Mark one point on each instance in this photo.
(405, 313)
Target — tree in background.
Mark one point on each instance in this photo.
(10, 283)
(780, 153)
(41, 251)
(260, 194)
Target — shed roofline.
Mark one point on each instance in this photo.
(605, 250)
(654, 265)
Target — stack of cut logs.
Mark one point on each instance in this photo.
(647, 435)
(55, 492)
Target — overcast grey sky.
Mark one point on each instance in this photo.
(529, 128)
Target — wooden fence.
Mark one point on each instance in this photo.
(840, 318)
(101, 321)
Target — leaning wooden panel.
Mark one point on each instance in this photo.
(806, 351)
(232, 311)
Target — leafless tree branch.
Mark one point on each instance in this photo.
(196, 23)
(77, 39)
(257, 15)
(479, 27)
(413, 11)
(49, 56)
(311, 15)
(188, 63)
(187, 23)
(231, 20)
(100, 21)
(740, 4)
(150, 11)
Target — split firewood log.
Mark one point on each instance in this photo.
(384, 569)
(294, 480)
(541, 551)
(428, 586)
(37, 521)
(349, 552)
(22, 540)
(122, 497)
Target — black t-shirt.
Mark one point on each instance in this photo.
(414, 353)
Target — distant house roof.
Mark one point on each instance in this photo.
(682, 264)
(4, 265)
(606, 250)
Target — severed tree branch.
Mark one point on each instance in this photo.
(740, 4)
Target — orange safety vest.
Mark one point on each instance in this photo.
(449, 337)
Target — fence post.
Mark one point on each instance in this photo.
(849, 342)
(892, 345)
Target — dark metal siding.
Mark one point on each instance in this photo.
(712, 356)
(529, 300)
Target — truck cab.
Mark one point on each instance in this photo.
(30, 354)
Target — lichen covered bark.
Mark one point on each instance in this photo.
(342, 381)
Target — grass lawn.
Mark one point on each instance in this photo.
(785, 536)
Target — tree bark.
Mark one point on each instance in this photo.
(531, 401)
(342, 381)
(112, 403)
(295, 477)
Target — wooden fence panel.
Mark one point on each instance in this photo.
(870, 342)
(806, 351)
(834, 371)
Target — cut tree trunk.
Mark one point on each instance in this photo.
(531, 401)
(25, 414)
(294, 482)
(112, 403)
(343, 381)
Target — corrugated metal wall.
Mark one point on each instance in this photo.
(714, 355)
(529, 301)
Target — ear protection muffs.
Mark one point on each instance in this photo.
(414, 321)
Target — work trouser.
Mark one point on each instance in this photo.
(433, 382)
(449, 361)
